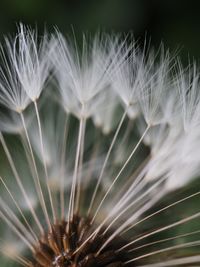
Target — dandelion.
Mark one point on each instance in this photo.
(96, 161)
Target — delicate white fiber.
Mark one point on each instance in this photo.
(115, 134)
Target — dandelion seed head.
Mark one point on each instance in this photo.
(31, 61)
(12, 94)
(85, 170)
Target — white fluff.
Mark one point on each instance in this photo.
(83, 74)
(118, 130)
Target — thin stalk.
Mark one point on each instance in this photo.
(120, 172)
(175, 262)
(36, 176)
(44, 162)
(165, 208)
(172, 225)
(73, 188)
(184, 245)
(16, 231)
(165, 240)
(12, 217)
(105, 162)
(161, 210)
(78, 188)
(19, 182)
(149, 204)
(19, 209)
(62, 190)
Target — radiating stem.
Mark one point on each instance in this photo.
(44, 162)
(184, 245)
(172, 225)
(78, 187)
(62, 185)
(120, 172)
(165, 240)
(16, 231)
(36, 176)
(105, 162)
(19, 182)
(74, 181)
(176, 262)
(19, 209)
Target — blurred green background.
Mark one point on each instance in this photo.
(175, 22)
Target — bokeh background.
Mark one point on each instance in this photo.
(174, 22)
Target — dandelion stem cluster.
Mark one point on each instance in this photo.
(99, 141)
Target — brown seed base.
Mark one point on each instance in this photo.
(57, 248)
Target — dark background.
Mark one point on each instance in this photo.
(174, 22)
